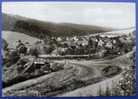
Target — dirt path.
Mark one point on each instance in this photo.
(92, 90)
(86, 70)
(32, 82)
(91, 71)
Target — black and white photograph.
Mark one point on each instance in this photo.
(68, 49)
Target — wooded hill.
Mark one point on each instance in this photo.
(39, 29)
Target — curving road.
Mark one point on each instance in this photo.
(84, 70)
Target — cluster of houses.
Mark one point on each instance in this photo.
(79, 45)
(100, 44)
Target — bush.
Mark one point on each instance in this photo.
(126, 85)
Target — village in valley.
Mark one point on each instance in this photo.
(40, 62)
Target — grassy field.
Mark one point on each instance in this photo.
(12, 38)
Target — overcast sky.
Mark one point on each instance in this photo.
(116, 15)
